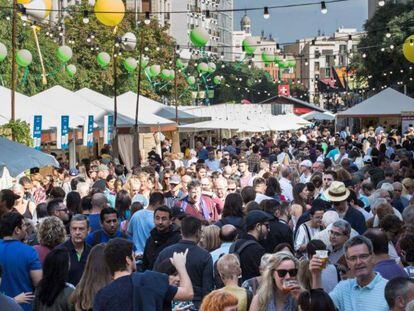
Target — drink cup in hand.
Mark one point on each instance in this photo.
(323, 256)
(289, 285)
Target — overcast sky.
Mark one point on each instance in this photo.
(289, 24)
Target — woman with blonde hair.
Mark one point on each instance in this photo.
(50, 233)
(133, 186)
(95, 276)
(279, 289)
(210, 238)
(408, 188)
(24, 207)
(219, 300)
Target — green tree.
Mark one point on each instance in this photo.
(377, 66)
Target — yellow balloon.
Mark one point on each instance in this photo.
(48, 4)
(408, 48)
(23, 1)
(109, 19)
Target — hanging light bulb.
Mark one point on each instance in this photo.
(381, 2)
(85, 17)
(324, 9)
(266, 14)
(388, 34)
(147, 18)
(222, 55)
(364, 55)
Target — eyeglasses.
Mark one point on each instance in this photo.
(362, 257)
(62, 210)
(283, 272)
(327, 179)
(231, 189)
(336, 234)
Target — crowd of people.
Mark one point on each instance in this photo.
(306, 220)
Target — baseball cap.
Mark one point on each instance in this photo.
(306, 163)
(255, 217)
(73, 172)
(177, 212)
(175, 179)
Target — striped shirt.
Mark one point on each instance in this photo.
(349, 296)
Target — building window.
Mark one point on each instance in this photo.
(342, 49)
(317, 66)
(327, 72)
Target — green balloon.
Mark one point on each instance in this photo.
(24, 58)
(130, 64)
(291, 63)
(64, 53)
(191, 80)
(249, 45)
(211, 67)
(3, 52)
(155, 70)
(199, 36)
(202, 67)
(147, 71)
(217, 80)
(180, 64)
(103, 59)
(283, 65)
(165, 74)
(172, 74)
(278, 59)
(268, 58)
(71, 70)
(144, 61)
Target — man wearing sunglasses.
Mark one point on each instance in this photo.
(366, 290)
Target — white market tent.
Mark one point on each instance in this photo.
(387, 103)
(318, 116)
(127, 104)
(26, 108)
(229, 111)
(210, 125)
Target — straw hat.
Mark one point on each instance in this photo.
(337, 192)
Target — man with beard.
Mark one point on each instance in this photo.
(164, 234)
(57, 208)
(249, 250)
(198, 205)
(110, 228)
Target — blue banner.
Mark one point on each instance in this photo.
(37, 132)
(108, 129)
(64, 132)
(90, 131)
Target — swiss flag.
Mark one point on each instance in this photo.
(283, 90)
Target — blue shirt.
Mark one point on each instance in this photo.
(110, 197)
(203, 154)
(94, 222)
(349, 296)
(102, 238)
(17, 260)
(223, 249)
(389, 269)
(139, 227)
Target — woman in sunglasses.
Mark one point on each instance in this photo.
(279, 289)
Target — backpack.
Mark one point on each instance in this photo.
(217, 279)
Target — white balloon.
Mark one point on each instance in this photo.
(129, 41)
(37, 9)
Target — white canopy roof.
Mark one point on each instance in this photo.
(318, 116)
(385, 103)
(127, 104)
(229, 111)
(26, 108)
(210, 125)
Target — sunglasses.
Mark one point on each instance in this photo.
(282, 272)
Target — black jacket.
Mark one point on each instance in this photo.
(76, 266)
(199, 267)
(250, 257)
(156, 242)
(278, 233)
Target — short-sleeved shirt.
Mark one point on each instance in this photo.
(389, 269)
(140, 226)
(94, 222)
(349, 296)
(117, 296)
(17, 260)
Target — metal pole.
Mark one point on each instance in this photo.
(115, 73)
(13, 75)
(175, 86)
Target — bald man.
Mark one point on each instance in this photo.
(99, 202)
(228, 234)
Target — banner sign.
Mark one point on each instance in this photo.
(88, 132)
(62, 139)
(108, 129)
(37, 132)
(283, 90)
